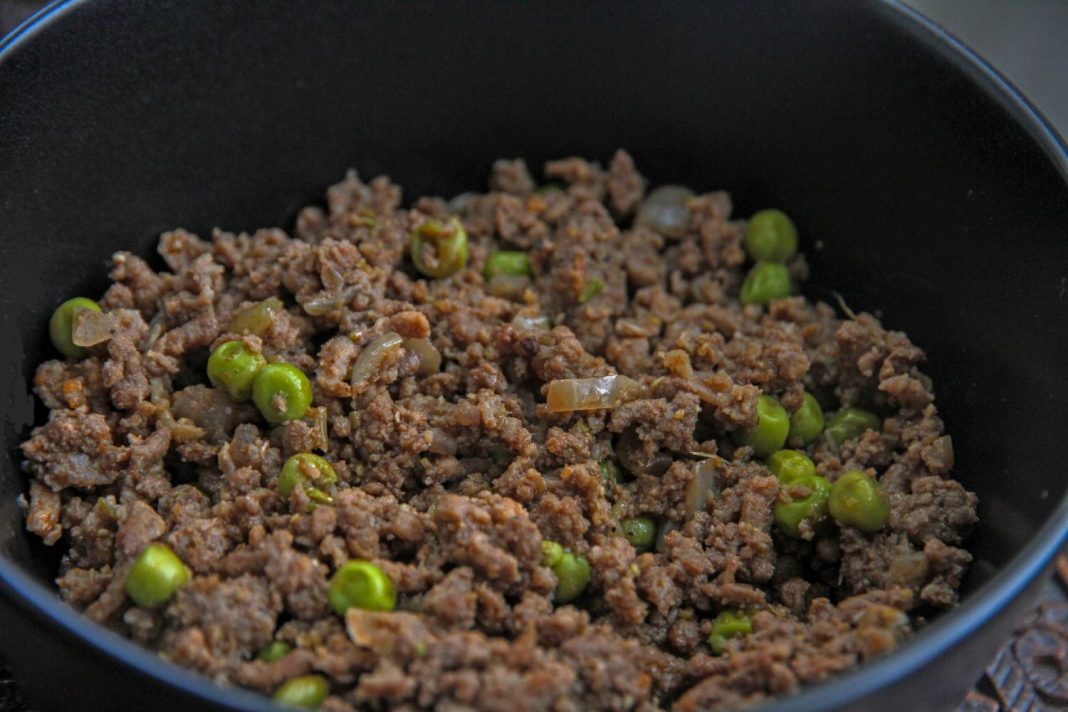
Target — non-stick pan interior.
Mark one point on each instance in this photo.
(917, 193)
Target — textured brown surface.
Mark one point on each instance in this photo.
(1030, 672)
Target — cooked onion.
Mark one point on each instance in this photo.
(665, 210)
(257, 318)
(701, 487)
(508, 286)
(571, 394)
(429, 356)
(373, 355)
(93, 327)
(327, 302)
(522, 322)
(666, 527)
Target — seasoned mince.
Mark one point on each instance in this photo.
(576, 446)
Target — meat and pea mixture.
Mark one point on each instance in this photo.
(577, 445)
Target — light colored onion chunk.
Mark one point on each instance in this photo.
(701, 487)
(571, 394)
(92, 327)
(665, 210)
(429, 356)
(372, 356)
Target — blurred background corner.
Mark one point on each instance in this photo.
(1026, 40)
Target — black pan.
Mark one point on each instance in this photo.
(938, 195)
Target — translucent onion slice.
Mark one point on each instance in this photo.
(429, 356)
(327, 302)
(572, 394)
(665, 210)
(508, 286)
(257, 318)
(523, 322)
(701, 487)
(373, 355)
(92, 327)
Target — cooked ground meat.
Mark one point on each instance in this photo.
(451, 469)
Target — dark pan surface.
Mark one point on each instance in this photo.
(937, 194)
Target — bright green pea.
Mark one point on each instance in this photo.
(858, 501)
(789, 465)
(361, 584)
(256, 319)
(551, 553)
(311, 472)
(439, 249)
(572, 577)
(507, 262)
(806, 423)
(640, 532)
(610, 472)
(770, 236)
(306, 692)
(727, 625)
(850, 423)
(274, 651)
(773, 424)
(804, 499)
(282, 392)
(233, 368)
(766, 282)
(61, 326)
(155, 576)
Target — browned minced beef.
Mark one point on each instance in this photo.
(450, 481)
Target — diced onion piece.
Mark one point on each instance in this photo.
(429, 356)
(523, 322)
(665, 210)
(507, 286)
(572, 394)
(327, 302)
(701, 487)
(944, 447)
(373, 355)
(92, 327)
(666, 527)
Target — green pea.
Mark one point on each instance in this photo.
(773, 424)
(156, 576)
(804, 499)
(572, 577)
(273, 651)
(361, 584)
(311, 472)
(858, 501)
(507, 262)
(806, 423)
(640, 532)
(770, 236)
(439, 249)
(61, 326)
(306, 692)
(282, 392)
(790, 465)
(256, 319)
(591, 289)
(551, 553)
(850, 423)
(766, 282)
(610, 472)
(727, 625)
(233, 368)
